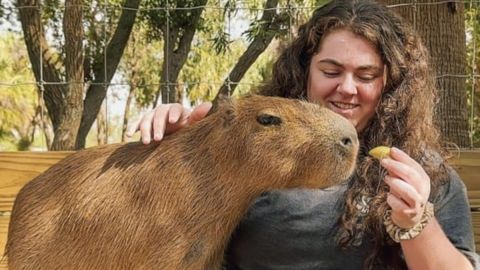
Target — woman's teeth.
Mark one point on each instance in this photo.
(345, 106)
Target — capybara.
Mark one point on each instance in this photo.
(174, 204)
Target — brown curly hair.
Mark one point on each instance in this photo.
(404, 114)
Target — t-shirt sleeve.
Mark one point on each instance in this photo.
(452, 211)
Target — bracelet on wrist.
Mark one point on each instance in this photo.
(398, 234)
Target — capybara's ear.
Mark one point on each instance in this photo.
(226, 109)
(220, 98)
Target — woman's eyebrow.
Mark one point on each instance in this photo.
(330, 61)
(374, 68)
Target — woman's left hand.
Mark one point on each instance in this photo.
(409, 188)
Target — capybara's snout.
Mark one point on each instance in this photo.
(345, 148)
(334, 145)
(347, 140)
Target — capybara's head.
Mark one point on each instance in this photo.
(300, 143)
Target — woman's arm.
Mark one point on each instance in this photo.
(409, 192)
(431, 249)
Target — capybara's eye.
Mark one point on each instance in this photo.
(268, 120)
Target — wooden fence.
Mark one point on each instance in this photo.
(17, 168)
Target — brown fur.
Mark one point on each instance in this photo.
(174, 204)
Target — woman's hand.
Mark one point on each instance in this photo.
(166, 119)
(409, 188)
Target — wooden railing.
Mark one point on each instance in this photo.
(17, 168)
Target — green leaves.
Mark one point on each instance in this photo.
(221, 41)
(17, 96)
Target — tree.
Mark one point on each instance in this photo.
(442, 27)
(72, 115)
(178, 21)
(261, 33)
(271, 25)
(215, 52)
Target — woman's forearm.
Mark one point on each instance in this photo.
(432, 250)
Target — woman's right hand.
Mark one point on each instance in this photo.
(166, 119)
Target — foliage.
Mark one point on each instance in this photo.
(7, 13)
(176, 12)
(17, 97)
(209, 65)
(141, 66)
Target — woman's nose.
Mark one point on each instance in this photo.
(347, 85)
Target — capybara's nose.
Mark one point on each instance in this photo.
(348, 142)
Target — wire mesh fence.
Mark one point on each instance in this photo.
(154, 63)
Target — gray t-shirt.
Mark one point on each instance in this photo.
(295, 229)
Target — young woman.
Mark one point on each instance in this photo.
(407, 211)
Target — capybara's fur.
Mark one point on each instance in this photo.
(174, 204)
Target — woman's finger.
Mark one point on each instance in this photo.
(402, 215)
(403, 171)
(199, 112)
(396, 203)
(404, 191)
(175, 112)
(159, 120)
(146, 127)
(132, 128)
(181, 121)
(399, 155)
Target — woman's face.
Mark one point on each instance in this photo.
(347, 75)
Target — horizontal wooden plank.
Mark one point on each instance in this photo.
(467, 164)
(476, 229)
(17, 168)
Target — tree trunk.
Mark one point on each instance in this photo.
(64, 102)
(66, 131)
(46, 125)
(102, 137)
(254, 50)
(39, 53)
(98, 90)
(131, 95)
(442, 27)
(177, 44)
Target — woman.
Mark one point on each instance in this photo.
(409, 210)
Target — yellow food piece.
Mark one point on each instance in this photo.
(380, 152)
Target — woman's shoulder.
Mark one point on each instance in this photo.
(445, 180)
(449, 190)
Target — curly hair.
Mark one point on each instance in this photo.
(403, 118)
